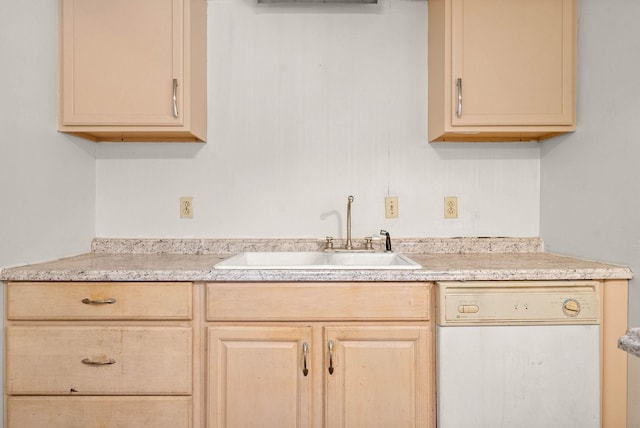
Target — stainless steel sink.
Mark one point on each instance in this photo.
(317, 260)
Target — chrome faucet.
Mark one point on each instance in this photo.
(348, 245)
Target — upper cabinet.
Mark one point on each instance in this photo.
(133, 70)
(501, 70)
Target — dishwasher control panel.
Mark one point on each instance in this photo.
(518, 302)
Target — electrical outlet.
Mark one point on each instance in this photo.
(391, 207)
(450, 207)
(186, 207)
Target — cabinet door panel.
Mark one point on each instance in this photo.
(516, 62)
(256, 377)
(119, 60)
(135, 360)
(103, 412)
(380, 377)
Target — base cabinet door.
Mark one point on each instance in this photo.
(377, 376)
(257, 377)
(102, 412)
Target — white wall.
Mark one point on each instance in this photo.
(590, 194)
(47, 180)
(309, 103)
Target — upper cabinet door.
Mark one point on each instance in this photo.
(133, 70)
(119, 61)
(501, 70)
(514, 62)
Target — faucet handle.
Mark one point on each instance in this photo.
(328, 245)
(368, 242)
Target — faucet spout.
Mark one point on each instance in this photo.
(348, 243)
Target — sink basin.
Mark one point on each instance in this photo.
(316, 260)
(273, 260)
(371, 261)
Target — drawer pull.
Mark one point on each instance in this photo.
(107, 362)
(109, 301)
(175, 98)
(459, 86)
(305, 349)
(330, 356)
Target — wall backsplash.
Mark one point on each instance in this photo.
(234, 246)
(307, 106)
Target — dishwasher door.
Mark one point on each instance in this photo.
(518, 355)
(518, 376)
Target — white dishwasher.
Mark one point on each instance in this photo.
(518, 354)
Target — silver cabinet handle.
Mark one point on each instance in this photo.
(459, 86)
(109, 301)
(330, 356)
(305, 349)
(107, 362)
(175, 98)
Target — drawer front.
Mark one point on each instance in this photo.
(94, 361)
(103, 412)
(318, 301)
(99, 300)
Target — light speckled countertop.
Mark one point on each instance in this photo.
(193, 260)
(630, 342)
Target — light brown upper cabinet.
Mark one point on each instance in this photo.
(133, 70)
(501, 70)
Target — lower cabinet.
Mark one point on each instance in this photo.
(235, 355)
(108, 355)
(333, 370)
(372, 376)
(224, 355)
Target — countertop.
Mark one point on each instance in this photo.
(630, 342)
(455, 259)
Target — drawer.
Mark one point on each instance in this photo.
(98, 300)
(317, 301)
(103, 412)
(97, 361)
